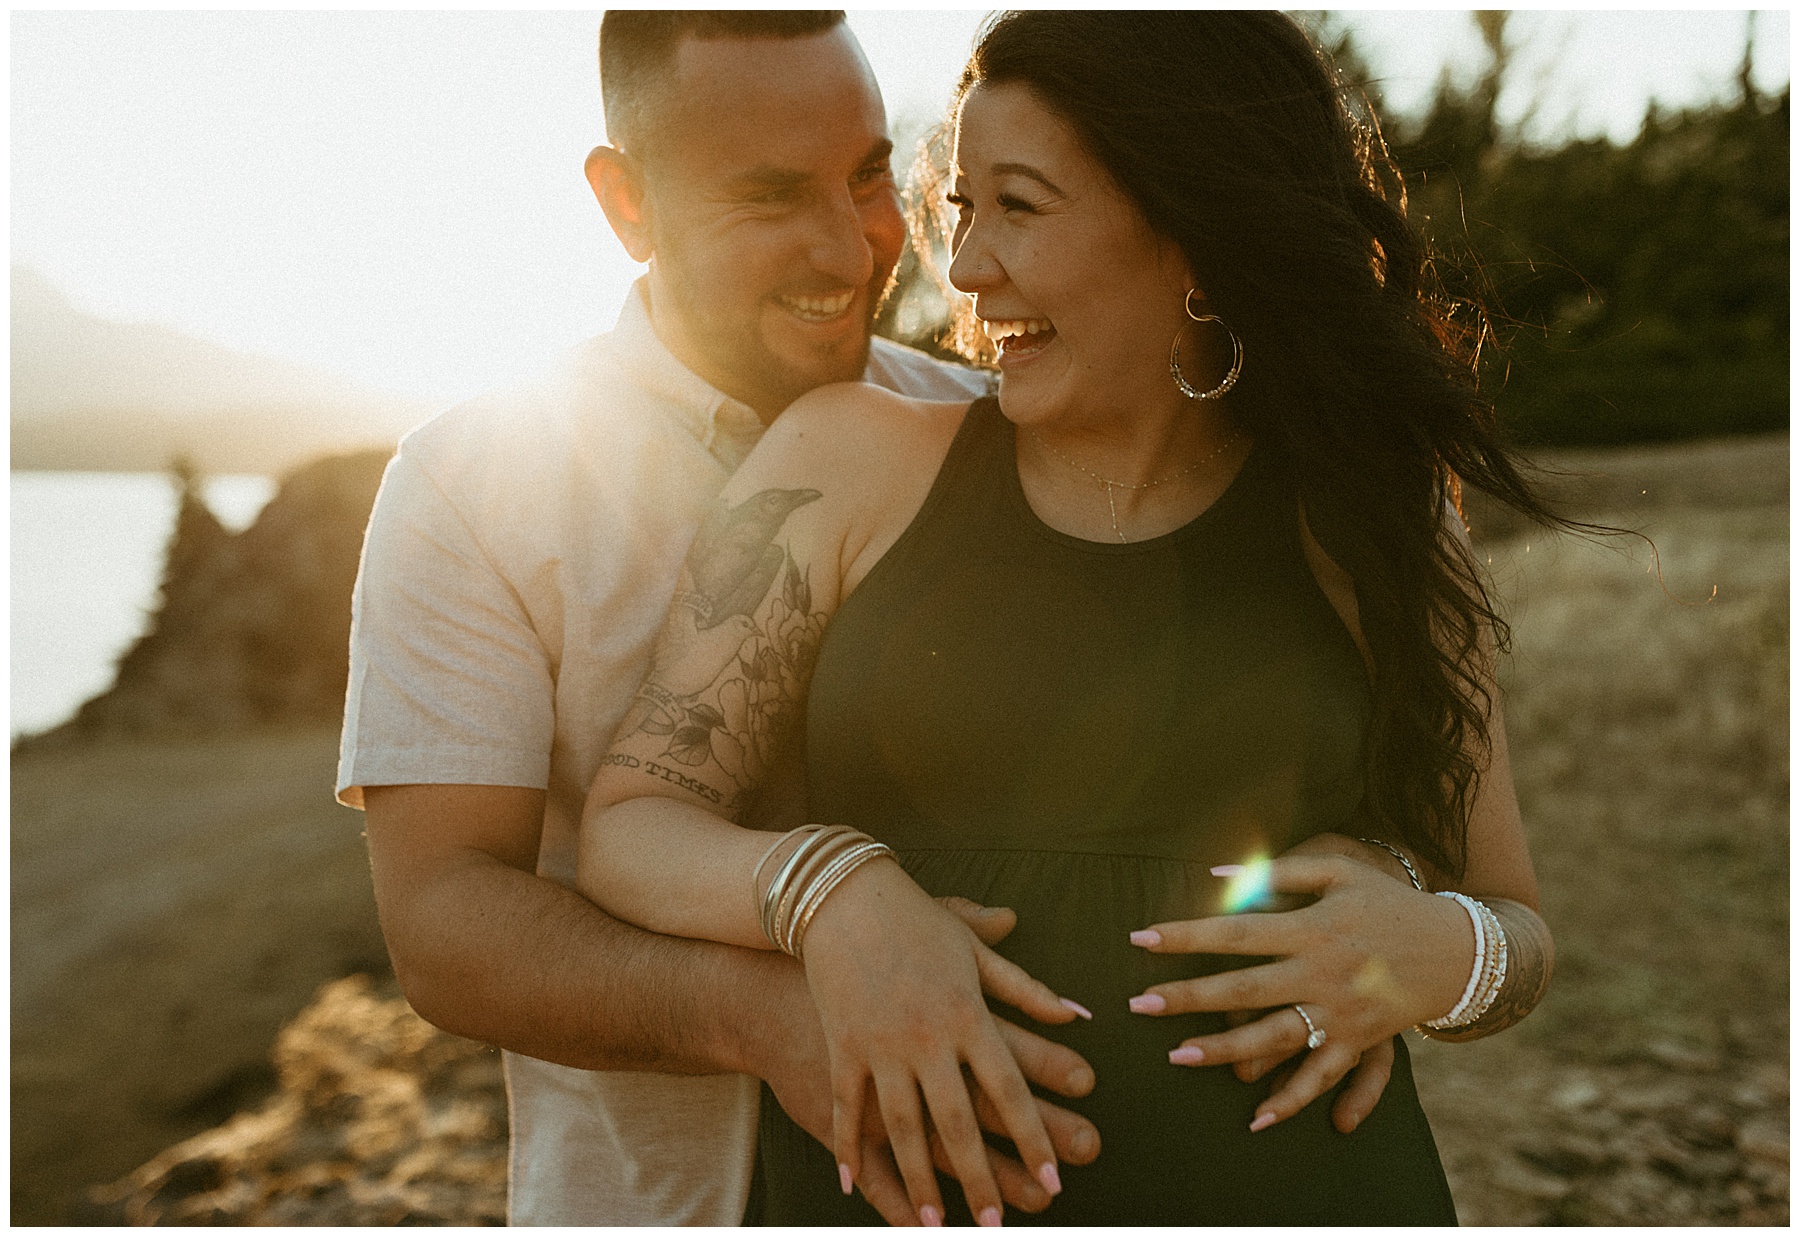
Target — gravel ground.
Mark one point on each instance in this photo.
(174, 904)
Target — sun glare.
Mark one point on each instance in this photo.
(1248, 885)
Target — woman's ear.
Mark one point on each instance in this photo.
(618, 185)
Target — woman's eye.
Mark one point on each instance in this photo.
(1011, 203)
(958, 201)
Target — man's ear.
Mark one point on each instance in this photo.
(618, 185)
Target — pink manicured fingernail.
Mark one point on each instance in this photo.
(1228, 869)
(1149, 1003)
(1263, 1122)
(931, 1217)
(1146, 937)
(844, 1178)
(1186, 1055)
(1075, 1009)
(989, 1217)
(1047, 1174)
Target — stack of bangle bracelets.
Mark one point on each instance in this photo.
(1489, 972)
(825, 856)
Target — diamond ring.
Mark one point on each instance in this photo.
(1314, 1037)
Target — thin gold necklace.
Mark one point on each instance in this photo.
(1109, 485)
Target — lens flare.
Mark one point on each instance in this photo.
(1247, 884)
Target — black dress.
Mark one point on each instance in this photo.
(1080, 731)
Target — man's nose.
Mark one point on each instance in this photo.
(839, 246)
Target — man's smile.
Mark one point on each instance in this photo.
(818, 308)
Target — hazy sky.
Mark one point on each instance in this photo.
(398, 197)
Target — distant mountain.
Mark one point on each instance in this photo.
(92, 393)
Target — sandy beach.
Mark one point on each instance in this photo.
(173, 903)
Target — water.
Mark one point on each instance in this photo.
(87, 555)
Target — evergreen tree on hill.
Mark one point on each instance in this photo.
(1638, 292)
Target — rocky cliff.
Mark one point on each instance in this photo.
(251, 628)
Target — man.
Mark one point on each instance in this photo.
(520, 557)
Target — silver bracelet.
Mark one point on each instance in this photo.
(827, 847)
(827, 882)
(825, 856)
(1406, 863)
(766, 905)
(806, 878)
(756, 875)
(776, 893)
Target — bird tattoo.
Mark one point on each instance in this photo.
(734, 558)
(731, 567)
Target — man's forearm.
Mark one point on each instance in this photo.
(500, 955)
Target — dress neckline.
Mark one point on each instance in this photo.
(1008, 461)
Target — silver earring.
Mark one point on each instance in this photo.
(1237, 355)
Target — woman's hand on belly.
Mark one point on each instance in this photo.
(1369, 959)
(793, 1060)
(898, 981)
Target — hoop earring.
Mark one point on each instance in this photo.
(1237, 356)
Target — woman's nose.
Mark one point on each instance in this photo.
(972, 268)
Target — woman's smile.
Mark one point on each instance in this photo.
(1019, 339)
(1074, 288)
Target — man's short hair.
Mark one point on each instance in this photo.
(638, 46)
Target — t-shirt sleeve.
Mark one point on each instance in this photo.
(449, 681)
(911, 372)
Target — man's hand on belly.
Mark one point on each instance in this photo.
(790, 1055)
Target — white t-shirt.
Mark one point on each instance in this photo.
(520, 557)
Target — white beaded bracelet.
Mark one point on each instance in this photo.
(1486, 977)
(1455, 1017)
(1494, 977)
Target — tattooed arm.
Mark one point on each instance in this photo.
(898, 980)
(659, 844)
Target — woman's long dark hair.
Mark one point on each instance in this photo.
(1237, 139)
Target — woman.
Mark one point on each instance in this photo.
(1190, 592)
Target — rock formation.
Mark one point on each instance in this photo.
(380, 1119)
(251, 628)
